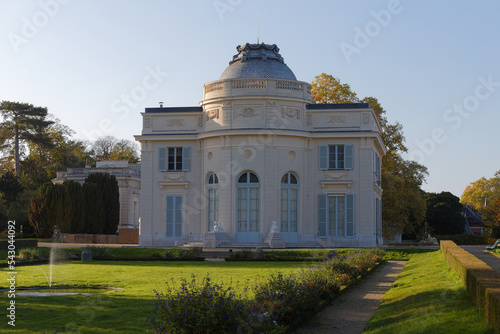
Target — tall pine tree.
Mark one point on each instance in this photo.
(22, 122)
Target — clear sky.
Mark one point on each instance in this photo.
(433, 65)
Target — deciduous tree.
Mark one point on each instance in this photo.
(444, 213)
(403, 207)
(484, 196)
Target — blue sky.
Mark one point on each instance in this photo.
(433, 65)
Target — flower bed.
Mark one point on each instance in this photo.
(279, 304)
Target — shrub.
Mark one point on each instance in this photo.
(285, 299)
(200, 307)
(206, 307)
(244, 254)
(288, 299)
(29, 254)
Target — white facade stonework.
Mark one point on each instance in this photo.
(259, 150)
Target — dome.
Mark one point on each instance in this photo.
(257, 61)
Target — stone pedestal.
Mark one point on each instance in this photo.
(128, 235)
(214, 239)
(86, 255)
(275, 240)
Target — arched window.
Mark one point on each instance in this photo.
(289, 203)
(212, 201)
(248, 201)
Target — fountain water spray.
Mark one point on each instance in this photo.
(56, 237)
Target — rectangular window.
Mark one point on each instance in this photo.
(336, 215)
(332, 157)
(289, 210)
(174, 158)
(173, 216)
(213, 211)
(336, 157)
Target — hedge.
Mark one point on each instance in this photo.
(481, 281)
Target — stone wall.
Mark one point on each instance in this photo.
(481, 281)
(128, 236)
(90, 238)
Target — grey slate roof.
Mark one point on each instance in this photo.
(258, 61)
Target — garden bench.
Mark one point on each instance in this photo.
(492, 247)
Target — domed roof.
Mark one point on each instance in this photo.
(257, 61)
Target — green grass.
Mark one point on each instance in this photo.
(427, 298)
(118, 311)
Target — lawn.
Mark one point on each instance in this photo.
(117, 311)
(427, 298)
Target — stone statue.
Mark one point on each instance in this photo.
(274, 227)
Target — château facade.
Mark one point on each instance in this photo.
(258, 162)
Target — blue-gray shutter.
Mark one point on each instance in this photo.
(323, 157)
(162, 159)
(178, 216)
(348, 156)
(349, 215)
(322, 214)
(379, 218)
(169, 215)
(379, 174)
(186, 158)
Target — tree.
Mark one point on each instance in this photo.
(403, 207)
(110, 198)
(94, 209)
(103, 147)
(64, 153)
(22, 122)
(328, 89)
(484, 196)
(125, 150)
(444, 213)
(77, 199)
(50, 208)
(10, 187)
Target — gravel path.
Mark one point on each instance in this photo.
(351, 311)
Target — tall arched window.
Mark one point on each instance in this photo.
(212, 201)
(289, 205)
(248, 201)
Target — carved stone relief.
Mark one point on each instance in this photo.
(366, 118)
(335, 175)
(213, 114)
(290, 112)
(247, 112)
(147, 122)
(337, 119)
(175, 122)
